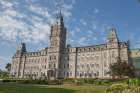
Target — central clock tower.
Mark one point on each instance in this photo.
(57, 44)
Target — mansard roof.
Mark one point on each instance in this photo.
(38, 53)
(92, 48)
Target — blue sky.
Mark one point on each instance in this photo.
(87, 22)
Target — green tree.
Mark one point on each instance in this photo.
(8, 67)
(3, 74)
(0, 73)
(121, 69)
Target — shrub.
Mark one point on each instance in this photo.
(117, 88)
(32, 81)
(69, 80)
(50, 82)
(78, 82)
(8, 80)
(106, 82)
(133, 82)
(89, 80)
(94, 81)
(122, 88)
(55, 82)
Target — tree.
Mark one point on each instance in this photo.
(3, 74)
(8, 67)
(121, 69)
(0, 73)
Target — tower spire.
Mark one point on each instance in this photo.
(59, 14)
(59, 18)
(112, 36)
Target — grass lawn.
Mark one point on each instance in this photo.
(27, 88)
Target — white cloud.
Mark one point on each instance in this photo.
(8, 35)
(10, 12)
(11, 28)
(6, 4)
(40, 10)
(73, 1)
(32, 24)
(83, 22)
(96, 10)
(78, 29)
(66, 8)
(82, 40)
(94, 26)
(6, 21)
(3, 59)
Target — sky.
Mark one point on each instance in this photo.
(87, 23)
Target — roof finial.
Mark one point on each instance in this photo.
(59, 15)
(60, 11)
(59, 7)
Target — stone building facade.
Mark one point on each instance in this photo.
(61, 61)
(135, 58)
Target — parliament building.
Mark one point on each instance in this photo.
(61, 61)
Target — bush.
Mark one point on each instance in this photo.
(106, 82)
(69, 80)
(55, 82)
(8, 80)
(91, 81)
(98, 81)
(133, 82)
(48, 82)
(123, 88)
(78, 82)
(32, 81)
(117, 88)
(23, 81)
